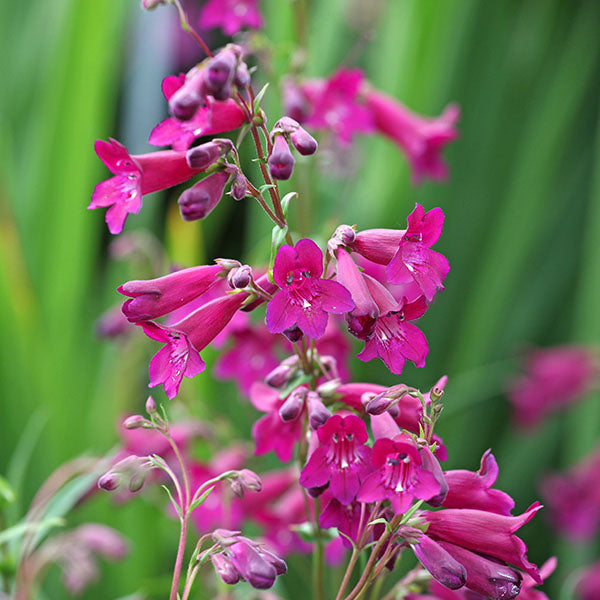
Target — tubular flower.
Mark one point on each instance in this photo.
(304, 300)
(399, 476)
(420, 138)
(341, 459)
(134, 177)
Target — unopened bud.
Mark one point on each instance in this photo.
(198, 201)
(219, 74)
(437, 391)
(242, 75)
(228, 263)
(292, 407)
(135, 422)
(240, 278)
(378, 405)
(152, 4)
(346, 234)
(328, 389)
(136, 481)
(317, 411)
(245, 480)
(279, 376)
(239, 187)
(184, 103)
(150, 405)
(225, 569)
(304, 142)
(281, 161)
(294, 334)
(109, 481)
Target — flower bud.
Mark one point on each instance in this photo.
(304, 142)
(294, 334)
(135, 422)
(437, 391)
(225, 569)
(379, 404)
(240, 278)
(328, 389)
(109, 481)
(219, 74)
(198, 201)
(273, 559)
(152, 4)
(281, 161)
(442, 566)
(290, 410)
(345, 234)
(242, 75)
(150, 405)
(239, 187)
(318, 413)
(245, 480)
(184, 103)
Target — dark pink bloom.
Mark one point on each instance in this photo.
(442, 565)
(153, 298)
(574, 499)
(420, 138)
(345, 517)
(554, 378)
(281, 162)
(135, 176)
(271, 432)
(342, 459)
(304, 300)
(199, 201)
(468, 489)
(484, 532)
(399, 476)
(231, 16)
(337, 106)
(352, 394)
(589, 583)
(180, 356)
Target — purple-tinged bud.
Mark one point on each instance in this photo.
(283, 372)
(442, 566)
(304, 142)
(109, 481)
(394, 411)
(240, 278)
(245, 480)
(253, 566)
(273, 559)
(135, 422)
(184, 103)
(136, 481)
(225, 569)
(318, 413)
(204, 155)
(281, 161)
(198, 201)
(239, 187)
(294, 334)
(328, 389)
(292, 407)
(346, 234)
(152, 4)
(228, 263)
(225, 537)
(218, 75)
(150, 406)
(242, 75)
(378, 405)
(315, 492)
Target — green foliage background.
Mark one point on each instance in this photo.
(522, 226)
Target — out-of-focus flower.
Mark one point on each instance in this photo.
(574, 499)
(231, 15)
(135, 176)
(304, 299)
(589, 583)
(554, 378)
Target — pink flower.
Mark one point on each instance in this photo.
(344, 517)
(231, 15)
(134, 177)
(420, 138)
(589, 583)
(304, 300)
(198, 201)
(153, 298)
(336, 105)
(554, 378)
(399, 476)
(574, 499)
(216, 117)
(342, 459)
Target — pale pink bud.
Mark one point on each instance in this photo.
(240, 278)
(135, 422)
(239, 187)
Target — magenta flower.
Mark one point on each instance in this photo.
(399, 476)
(344, 517)
(134, 177)
(342, 459)
(183, 341)
(589, 583)
(271, 432)
(153, 298)
(304, 300)
(574, 499)
(554, 378)
(216, 117)
(231, 16)
(337, 107)
(198, 201)
(420, 138)
(485, 533)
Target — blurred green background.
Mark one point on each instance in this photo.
(522, 224)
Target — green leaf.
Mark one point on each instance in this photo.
(413, 509)
(175, 505)
(307, 532)
(7, 494)
(277, 238)
(285, 202)
(266, 186)
(41, 527)
(259, 97)
(202, 498)
(302, 378)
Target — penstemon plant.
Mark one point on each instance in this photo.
(367, 480)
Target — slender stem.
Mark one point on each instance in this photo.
(318, 556)
(185, 25)
(256, 193)
(346, 579)
(179, 560)
(184, 472)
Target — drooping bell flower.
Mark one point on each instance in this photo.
(185, 339)
(281, 162)
(304, 299)
(213, 118)
(342, 459)
(153, 298)
(554, 378)
(135, 176)
(399, 476)
(231, 16)
(574, 499)
(421, 139)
